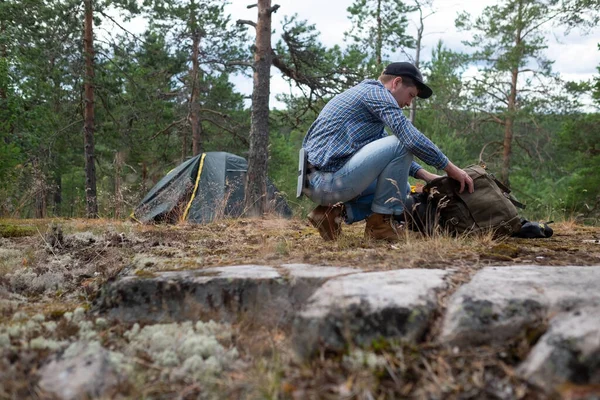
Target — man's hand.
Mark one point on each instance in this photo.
(461, 176)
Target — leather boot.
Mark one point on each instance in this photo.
(328, 220)
(383, 227)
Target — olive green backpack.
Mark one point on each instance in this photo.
(489, 208)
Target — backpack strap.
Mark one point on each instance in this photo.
(506, 193)
(515, 202)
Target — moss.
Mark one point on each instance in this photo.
(497, 257)
(381, 344)
(9, 231)
(504, 249)
(56, 313)
(144, 274)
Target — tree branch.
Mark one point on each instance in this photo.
(235, 134)
(241, 63)
(483, 150)
(492, 117)
(172, 124)
(246, 22)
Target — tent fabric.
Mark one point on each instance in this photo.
(205, 187)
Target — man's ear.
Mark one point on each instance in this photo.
(398, 81)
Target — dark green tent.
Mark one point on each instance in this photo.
(205, 187)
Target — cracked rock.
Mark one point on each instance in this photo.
(360, 308)
(569, 352)
(266, 294)
(502, 303)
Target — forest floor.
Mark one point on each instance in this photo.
(50, 268)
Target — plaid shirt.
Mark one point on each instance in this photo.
(357, 117)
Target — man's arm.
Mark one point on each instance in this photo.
(425, 175)
(453, 172)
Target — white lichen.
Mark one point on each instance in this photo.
(86, 331)
(50, 326)
(4, 340)
(31, 326)
(14, 331)
(101, 323)
(78, 314)
(38, 318)
(183, 350)
(19, 316)
(41, 343)
(358, 359)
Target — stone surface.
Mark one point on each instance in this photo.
(359, 308)
(268, 294)
(86, 372)
(569, 352)
(501, 303)
(297, 271)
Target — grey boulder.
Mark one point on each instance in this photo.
(360, 308)
(85, 371)
(501, 303)
(569, 352)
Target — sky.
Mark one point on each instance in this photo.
(576, 55)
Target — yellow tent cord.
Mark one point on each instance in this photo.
(132, 216)
(187, 209)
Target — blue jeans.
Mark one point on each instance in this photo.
(375, 179)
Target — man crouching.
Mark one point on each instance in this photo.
(356, 168)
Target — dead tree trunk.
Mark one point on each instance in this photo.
(39, 190)
(88, 127)
(118, 189)
(379, 44)
(420, 29)
(57, 195)
(256, 179)
(195, 92)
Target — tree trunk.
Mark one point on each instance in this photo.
(256, 179)
(144, 177)
(379, 43)
(57, 195)
(508, 128)
(88, 127)
(184, 144)
(413, 106)
(39, 185)
(4, 89)
(118, 188)
(194, 106)
(57, 187)
(512, 102)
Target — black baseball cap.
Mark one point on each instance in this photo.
(409, 70)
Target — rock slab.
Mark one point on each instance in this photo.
(87, 373)
(362, 307)
(501, 303)
(558, 305)
(569, 352)
(267, 294)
